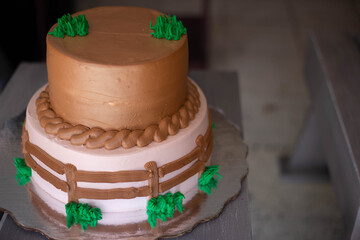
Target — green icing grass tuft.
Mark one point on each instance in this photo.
(168, 27)
(82, 213)
(67, 25)
(23, 173)
(207, 181)
(163, 207)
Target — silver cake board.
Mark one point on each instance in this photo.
(29, 212)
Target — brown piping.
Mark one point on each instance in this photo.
(97, 138)
(48, 160)
(70, 179)
(177, 164)
(152, 174)
(193, 155)
(182, 177)
(51, 162)
(154, 178)
(59, 184)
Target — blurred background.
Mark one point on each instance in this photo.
(264, 41)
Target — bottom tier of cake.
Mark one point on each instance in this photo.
(120, 180)
(109, 218)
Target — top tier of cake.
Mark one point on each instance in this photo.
(118, 76)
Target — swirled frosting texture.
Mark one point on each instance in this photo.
(118, 76)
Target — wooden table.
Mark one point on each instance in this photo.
(332, 130)
(220, 88)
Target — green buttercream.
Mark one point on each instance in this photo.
(168, 27)
(213, 125)
(67, 25)
(163, 207)
(82, 213)
(207, 181)
(23, 173)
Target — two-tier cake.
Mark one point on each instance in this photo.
(119, 126)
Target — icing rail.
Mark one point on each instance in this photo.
(97, 137)
(192, 209)
(152, 172)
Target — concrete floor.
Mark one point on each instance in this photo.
(265, 41)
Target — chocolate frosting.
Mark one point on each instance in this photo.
(97, 138)
(118, 76)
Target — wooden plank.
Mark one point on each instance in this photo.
(332, 71)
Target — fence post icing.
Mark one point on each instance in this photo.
(70, 179)
(154, 178)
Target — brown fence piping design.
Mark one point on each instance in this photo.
(151, 173)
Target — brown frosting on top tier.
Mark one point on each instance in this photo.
(118, 76)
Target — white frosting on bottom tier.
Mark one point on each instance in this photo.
(119, 159)
(108, 218)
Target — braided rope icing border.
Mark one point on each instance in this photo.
(96, 137)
